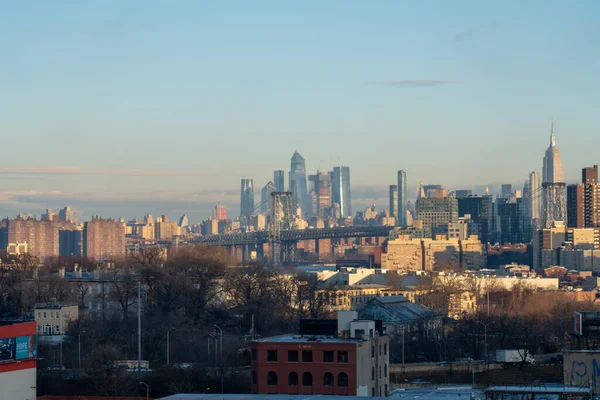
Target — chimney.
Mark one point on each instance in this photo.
(61, 272)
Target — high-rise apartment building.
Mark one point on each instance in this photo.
(575, 206)
(461, 194)
(402, 199)
(298, 182)
(103, 238)
(589, 175)
(265, 197)
(279, 180)
(393, 200)
(42, 236)
(513, 216)
(247, 198)
(165, 229)
(340, 190)
(480, 210)
(583, 201)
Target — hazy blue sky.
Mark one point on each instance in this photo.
(124, 107)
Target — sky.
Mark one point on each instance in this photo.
(120, 108)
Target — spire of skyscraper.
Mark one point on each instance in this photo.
(552, 138)
(553, 184)
(422, 194)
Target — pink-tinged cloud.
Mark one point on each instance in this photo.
(75, 170)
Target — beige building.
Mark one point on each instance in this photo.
(164, 229)
(54, 319)
(548, 244)
(42, 237)
(406, 254)
(353, 297)
(104, 238)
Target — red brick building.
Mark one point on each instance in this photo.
(332, 357)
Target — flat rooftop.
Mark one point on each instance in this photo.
(295, 338)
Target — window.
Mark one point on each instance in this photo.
(254, 380)
(343, 379)
(380, 350)
(380, 372)
(373, 373)
(358, 333)
(385, 349)
(328, 356)
(307, 379)
(328, 379)
(293, 379)
(372, 351)
(386, 391)
(39, 314)
(271, 355)
(306, 355)
(343, 357)
(44, 314)
(385, 370)
(292, 355)
(272, 379)
(373, 392)
(51, 314)
(254, 355)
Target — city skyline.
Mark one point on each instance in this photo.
(135, 92)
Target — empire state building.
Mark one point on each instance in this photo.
(553, 204)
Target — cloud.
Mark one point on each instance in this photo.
(74, 170)
(412, 83)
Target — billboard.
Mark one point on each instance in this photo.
(26, 347)
(7, 349)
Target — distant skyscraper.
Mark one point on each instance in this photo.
(320, 186)
(506, 189)
(220, 211)
(553, 206)
(340, 190)
(103, 239)
(67, 215)
(279, 180)
(394, 201)
(461, 194)
(247, 198)
(583, 200)
(265, 197)
(402, 199)
(298, 184)
(184, 221)
(535, 195)
(589, 176)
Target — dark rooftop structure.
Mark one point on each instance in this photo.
(396, 310)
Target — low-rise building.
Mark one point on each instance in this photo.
(347, 356)
(18, 360)
(54, 319)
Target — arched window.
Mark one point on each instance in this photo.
(343, 379)
(272, 379)
(293, 379)
(254, 380)
(307, 379)
(328, 379)
(385, 370)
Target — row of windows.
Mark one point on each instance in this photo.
(381, 375)
(307, 379)
(52, 314)
(307, 356)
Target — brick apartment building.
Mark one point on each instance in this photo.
(104, 238)
(346, 356)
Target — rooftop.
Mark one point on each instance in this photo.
(294, 338)
(394, 310)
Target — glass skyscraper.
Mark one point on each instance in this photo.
(247, 198)
(401, 214)
(340, 190)
(394, 201)
(298, 184)
(265, 197)
(279, 180)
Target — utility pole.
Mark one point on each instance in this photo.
(79, 349)
(485, 340)
(139, 327)
(403, 345)
(221, 340)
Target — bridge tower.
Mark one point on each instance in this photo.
(282, 218)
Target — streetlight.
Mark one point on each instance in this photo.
(168, 352)
(485, 336)
(214, 337)
(221, 340)
(79, 349)
(147, 390)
